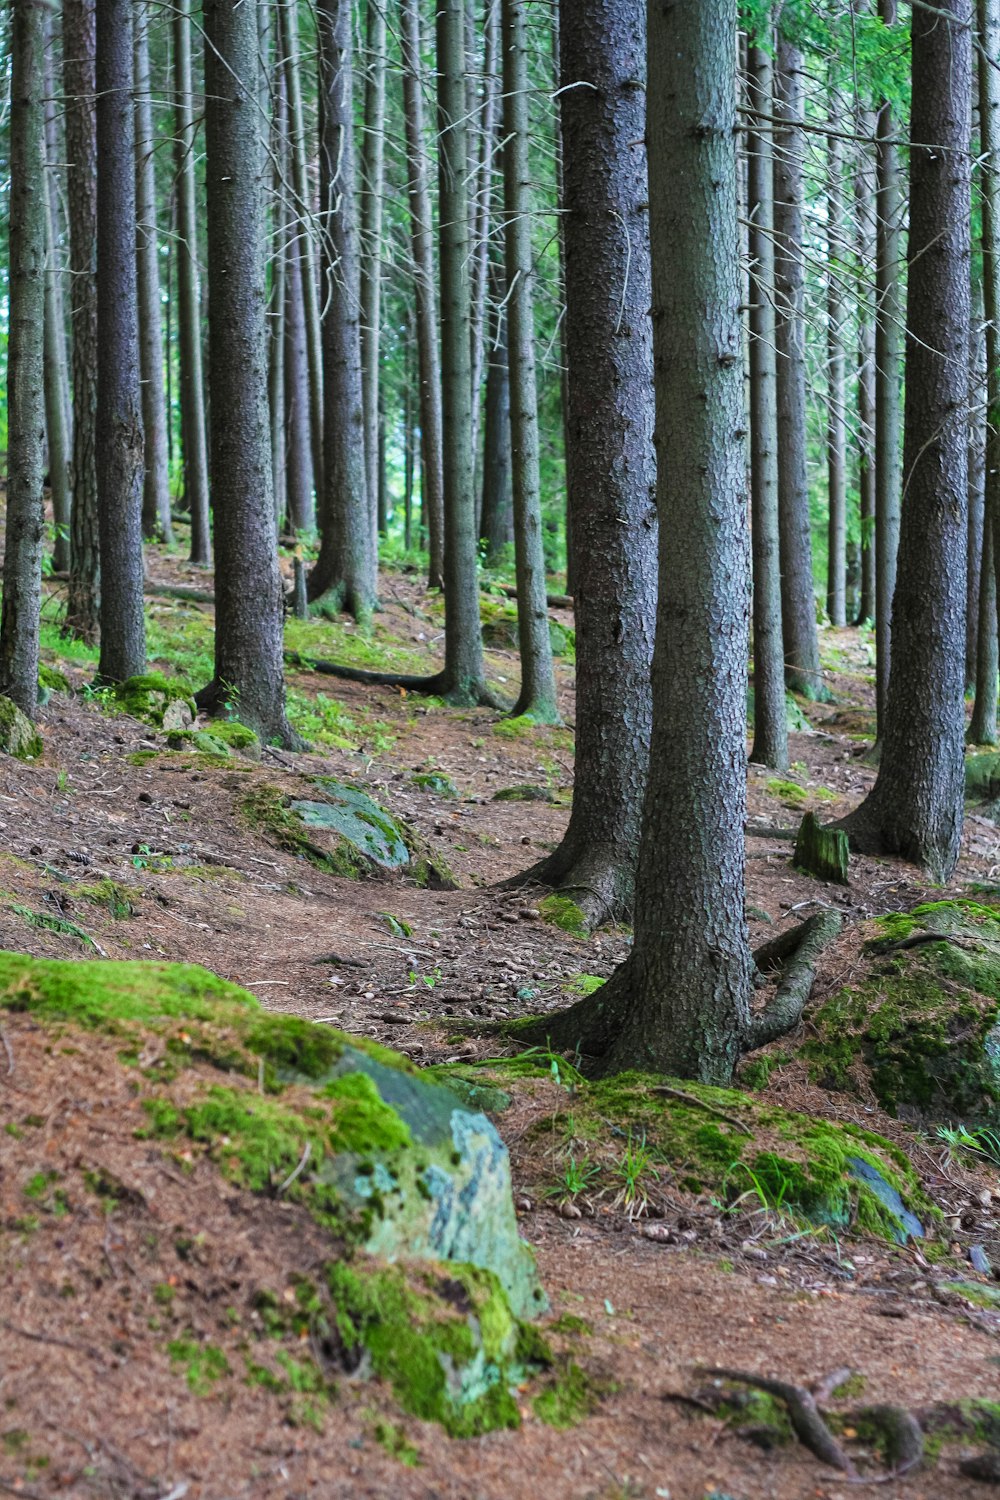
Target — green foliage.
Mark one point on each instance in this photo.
(203, 1364)
(564, 913)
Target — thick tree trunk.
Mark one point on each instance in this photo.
(156, 483)
(192, 385)
(346, 568)
(989, 170)
(836, 394)
(372, 189)
(119, 389)
(864, 200)
(58, 418)
(84, 587)
(915, 808)
(611, 466)
(889, 325)
(537, 697)
(770, 740)
(496, 526)
(798, 603)
(422, 236)
(248, 681)
(22, 567)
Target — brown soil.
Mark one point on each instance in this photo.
(90, 1403)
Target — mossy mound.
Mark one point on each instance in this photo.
(561, 912)
(437, 782)
(18, 736)
(50, 680)
(148, 696)
(224, 737)
(526, 792)
(921, 1028)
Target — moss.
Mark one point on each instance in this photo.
(436, 782)
(525, 793)
(979, 1293)
(114, 898)
(266, 809)
(569, 1396)
(236, 735)
(18, 736)
(392, 1437)
(788, 792)
(747, 1408)
(147, 695)
(561, 912)
(584, 984)
(203, 1364)
(104, 994)
(51, 679)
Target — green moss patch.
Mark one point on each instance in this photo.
(561, 912)
(147, 696)
(18, 736)
(435, 781)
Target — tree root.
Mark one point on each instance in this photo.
(592, 880)
(709, 1109)
(807, 1422)
(436, 684)
(799, 949)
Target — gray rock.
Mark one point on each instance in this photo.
(909, 1225)
(177, 715)
(352, 815)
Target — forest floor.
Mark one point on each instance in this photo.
(90, 1404)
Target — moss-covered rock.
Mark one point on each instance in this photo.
(147, 696)
(437, 782)
(921, 1026)
(526, 792)
(561, 912)
(18, 736)
(348, 815)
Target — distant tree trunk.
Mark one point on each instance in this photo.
(538, 685)
(798, 604)
(610, 460)
(985, 720)
(156, 483)
(192, 385)
(248, 679)
(681, 1002)
(889, 325)
(346, 567)
(770, 739)
(84, 588)
(372, 188)
(277, 307)
(22, 566)
(298, 458)
(497, 516)
(864, 198)
(836, 416)
(119, 390)
(482, 200)
(58, 421)
(915, 808)
(464, 680)
(560, 185)
(421, 231)
(289, 36)
(977, 481)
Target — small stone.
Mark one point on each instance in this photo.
(985, 1198)
(177, 714)
(570, 1211)
(979, 1260)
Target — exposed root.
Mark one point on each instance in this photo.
(592, 879)
(413, 682)
(807, 1422)
(796, 952)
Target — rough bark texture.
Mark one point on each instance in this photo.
(84, 586)
(976, 429)
(610, 463)
(192, 385)
(496, 526)
(486, 145)
(915, 808)
(864, 202)
(372, 188)
(346, 567)
(277, 304)
(989, 176)
(798, 605)
(58, 420)
(299, 506)
(22, 567)
(156, 485)
(538, 685)
(770, 738)
(248, 679)
(422, 237)
(836, 394)
(119, 391)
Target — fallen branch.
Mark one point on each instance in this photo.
(803, 945)
(662, 1088)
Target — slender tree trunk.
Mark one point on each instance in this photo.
(119, 390)
(248, 679)
(564, 404)
(288, 18)
(976, 428)
(156, 484)
(915, 808)
(298, 458)
(22, 567)
(372, 189)
(611, 467)
(538, 685)
(422, 235)
(84, 589)
(346, 567)
(464, 680)
(278, 352)
(889, 326)
(482, 200)
(989, 176)
(192, 385)
(497, 516)
(983, 727)
(864, 198)
(798, 603)
(770, 741)
(58, 419)
(836, 417)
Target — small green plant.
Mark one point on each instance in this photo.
(140, 858)
(983, 1142)
(576, 1178)
(632, 1169)
(427, 980)
(203, 1364)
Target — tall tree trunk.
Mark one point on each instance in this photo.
(864, 201)
(836, 396)
(346, 567)
(538, 685)
(84, 589)
(288, 11)
(560, 186)
(119, 390)
(889, 325)
(277, 307)
(915, 808)
(463, 680)
(22, 566)
(58, 419)
(798, 603)
(482, 200)
(192, 384)
(497, 516)
(156, 483)
(298, 447)
(611, 467)
(989, 177)
(770, 739)
(372, 188)
(422, 236)
(975, 405)
(248, 679)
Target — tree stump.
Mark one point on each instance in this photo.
(821, 851)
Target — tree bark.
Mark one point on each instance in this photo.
(989, 170)
(192, 384)
(864, 199)
(976, 429)
(497, 515)
(798, 603)
(372, 189)
(84, 587)
(346, 568)
(915, 808)
(537, 697)
(22, 567)
(58, 420)
(248, 681)
(422, 236)
(277, 309)
(156, 482)
(836, 396)
(299, 506)
(119, 390)
(482, 202)
(770, 740)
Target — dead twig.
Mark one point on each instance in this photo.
(51, 1338)
(662, 1088)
